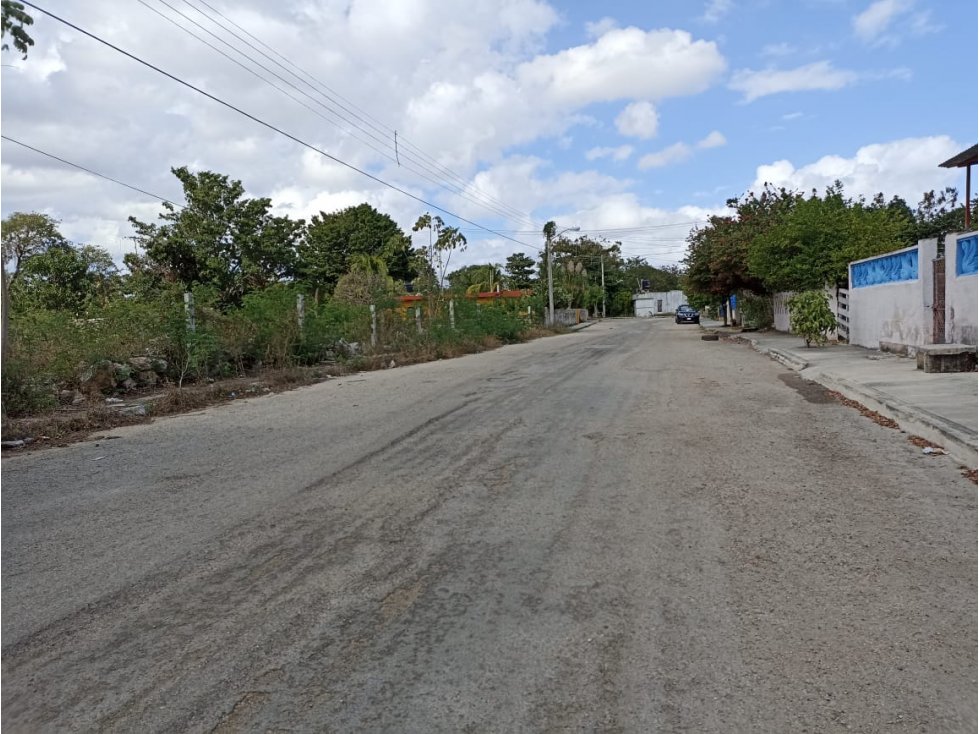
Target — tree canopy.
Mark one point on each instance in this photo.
(519, 271)
(331, 240)
(781, 240)
(26, 234)
(220, 238)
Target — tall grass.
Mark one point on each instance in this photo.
(52, 350)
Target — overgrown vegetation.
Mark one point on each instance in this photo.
(265, 292)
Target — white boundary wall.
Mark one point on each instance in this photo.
(658, 303)
(960, 292)
(780, 310)
(895, 309)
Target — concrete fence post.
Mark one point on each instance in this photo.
(189, 311)
(373, 325)
(452, 313)
(418, 319)
(300, 311)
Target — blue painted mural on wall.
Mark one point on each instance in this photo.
(893, 268)
(965, 256)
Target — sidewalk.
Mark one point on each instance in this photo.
(938, 407)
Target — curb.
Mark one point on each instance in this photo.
(784, 357)
(787, 358)
(960, 443)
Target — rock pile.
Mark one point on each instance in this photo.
(106, 377)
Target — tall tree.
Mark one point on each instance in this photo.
(519, 271)
(220, 238)
(26, 234)
(332, 239)
(939, 213)
(442, 242)
(66, 278)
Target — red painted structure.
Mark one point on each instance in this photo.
(412, 300)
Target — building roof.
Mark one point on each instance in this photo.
(967, 157)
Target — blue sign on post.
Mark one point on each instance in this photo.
(734, 303)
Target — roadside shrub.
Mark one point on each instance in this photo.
(329, 324)
(811, 317)
(274, 326)
(24, 391)
(757, 311)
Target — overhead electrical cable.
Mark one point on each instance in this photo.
(390, 155)
(388, 133)
(269, 125)
(89, 170)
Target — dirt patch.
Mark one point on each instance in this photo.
(876, 417)
(970, 474)
(811, 391)
(76, 423)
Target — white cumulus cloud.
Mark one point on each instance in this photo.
(638, 120)
(714, 139)
(819, 75)
(873, 22)
(665, 157)
(905, 168)
(619, 153)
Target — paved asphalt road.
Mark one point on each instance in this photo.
(621, 529)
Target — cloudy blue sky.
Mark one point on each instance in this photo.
(633, 120)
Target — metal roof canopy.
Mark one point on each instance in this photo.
(969, 157)
(966, 159)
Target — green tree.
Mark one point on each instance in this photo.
(577, 267)
(813, 243)
(442, 242)
(26, 235)
(66, 278)
(332, 239)
(717, 254)
(939, 213)
(220, 238)
(519, 271)
(13, 18)
(475, 278)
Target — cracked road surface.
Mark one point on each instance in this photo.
(621, 529)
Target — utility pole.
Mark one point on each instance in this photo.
(550, 275)
(549, 234)
(603, 286)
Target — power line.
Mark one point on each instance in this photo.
(269, 125)
(89, 170)
(371, 121)
(346, 130)
(390, 150)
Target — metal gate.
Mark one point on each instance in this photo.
(938, 302)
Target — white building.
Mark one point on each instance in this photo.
(657, 303)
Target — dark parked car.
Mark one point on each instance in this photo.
(687, 315)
